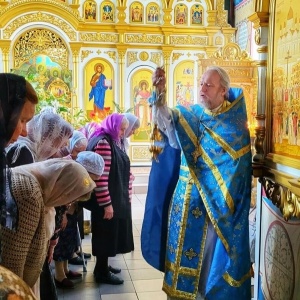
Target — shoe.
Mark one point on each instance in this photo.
(64, 284)
(109, 278)
(114, 270)
(86, 255)
(76, 261)
(73, 275)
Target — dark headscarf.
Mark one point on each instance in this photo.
(12, 100)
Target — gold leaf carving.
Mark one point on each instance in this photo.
(176, 56)
(167, 54)
(200, 55)
(121, 53)
(156, 58)
(144, 56)
(257, 36)
(221, 19)
(219, 40)
(60, 4)
(141, 153)
(231, 51)
(38, 41)
(144, 38)
(75, 52)
(188, 40)
(34, 17)
(85, 54)
(112, 55)
(283, 198)
(131, 57)
(5, 50)
(99, 37)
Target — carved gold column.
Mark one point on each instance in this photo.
(211, 17)
(5, 46)
(167, 16)
(121, 80)
(260, 24)
(75, 48)
(121, 14)
(75, 5)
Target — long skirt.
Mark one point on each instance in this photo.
(111, 237)
(68, 240)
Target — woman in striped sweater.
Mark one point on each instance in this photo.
(111, 214)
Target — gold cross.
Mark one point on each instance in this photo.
(190, 254)
(197, 153)
(197, 212)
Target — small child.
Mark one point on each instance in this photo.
(67, 242)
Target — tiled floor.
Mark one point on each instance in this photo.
(141, 281)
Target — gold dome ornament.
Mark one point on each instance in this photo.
(156, 143)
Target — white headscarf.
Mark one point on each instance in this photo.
(78, 138)
(62, 181)
(54, 182)
(92, 162)
(134, 123)
(47, 133)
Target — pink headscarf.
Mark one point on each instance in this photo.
(111, 125)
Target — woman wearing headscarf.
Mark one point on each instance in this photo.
(68, 236)
(77, 143)
(35, 187)
(90, 130)
(111, 214)
(17, 106)
(134, 124)
(47, 133)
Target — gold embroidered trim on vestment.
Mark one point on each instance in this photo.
(213, 221)
(236, 283)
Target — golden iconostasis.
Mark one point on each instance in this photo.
(91, 59)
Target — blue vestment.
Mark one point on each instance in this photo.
(162, 181)
(98, 91)
(214, 188)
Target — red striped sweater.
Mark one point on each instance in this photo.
(101, 191)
